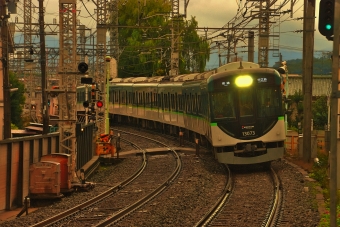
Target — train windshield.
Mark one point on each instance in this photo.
(268, 102)
(223, 105)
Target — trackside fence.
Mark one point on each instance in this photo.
(17, 154)
(319, 143)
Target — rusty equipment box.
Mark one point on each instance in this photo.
(45, 180)
(65, 169)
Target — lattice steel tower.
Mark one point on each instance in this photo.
(100, 74)
(67, 77)
(263, 45)
(175, 31)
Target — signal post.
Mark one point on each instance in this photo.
(335, 142)
(329, 26)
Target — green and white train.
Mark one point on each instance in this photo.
(236, 108)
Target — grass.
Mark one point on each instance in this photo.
(320, 173)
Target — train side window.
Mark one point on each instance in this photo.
(165, 101)
(118, 99)
(154, 100)
(180, 102)
(160, 106)
(176, 102)
(199, 111)
(134, 101)
(143, 98)
(147, 103)
(172, 101)
(114, 96)
(123, 97)
(188, 102)
(129, 98)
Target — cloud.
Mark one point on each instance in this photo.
(213, 14)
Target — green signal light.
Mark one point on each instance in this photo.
(328, 26)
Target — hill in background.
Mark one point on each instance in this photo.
(322, 63)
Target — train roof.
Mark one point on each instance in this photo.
(237, 65)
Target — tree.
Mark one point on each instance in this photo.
(320, 112)
(17, 100)
(146, 48)
(296, 108)
(196, 51)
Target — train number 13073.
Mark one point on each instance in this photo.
(248, 133)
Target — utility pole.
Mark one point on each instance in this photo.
(4, 15)
(308, 50)
(333, 156)
(44, 111)
(251, 46)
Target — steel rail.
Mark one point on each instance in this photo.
(126, 211)
(206, 219)
(274, 213)
(96, 199)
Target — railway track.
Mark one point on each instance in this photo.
(191, 195)
(241, 205)
(114, 218)
(88, 211)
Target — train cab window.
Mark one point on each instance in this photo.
(223, 105)
(268, 100)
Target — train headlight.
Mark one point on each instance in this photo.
(243, 81)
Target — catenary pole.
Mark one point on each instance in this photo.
(308, 53)
(5, 61)
(45, 113)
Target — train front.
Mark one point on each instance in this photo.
(246, 116)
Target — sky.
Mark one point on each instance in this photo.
(211, 13)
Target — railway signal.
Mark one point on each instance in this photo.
(326, 18)
(93, 92)
(100, 104)
(86, 104)
(83, 67)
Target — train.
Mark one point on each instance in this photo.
(237, 109)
